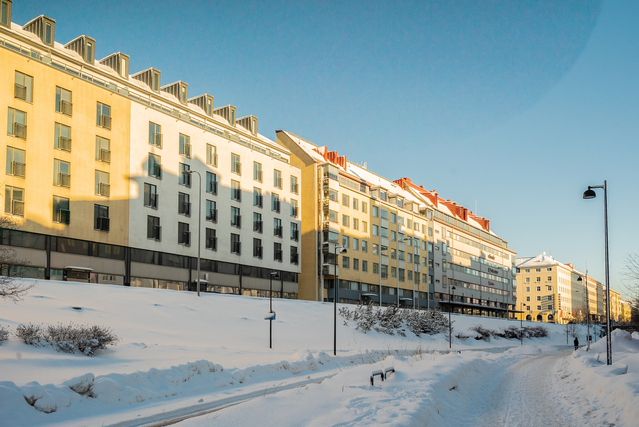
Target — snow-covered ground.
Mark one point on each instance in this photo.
(180, 355)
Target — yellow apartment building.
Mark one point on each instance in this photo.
(392, 242)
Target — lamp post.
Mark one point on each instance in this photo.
(342, 250)
(590, 194)
(587, 310)
(199, 223)
(521, 324)
(450, 325)
(273, 275)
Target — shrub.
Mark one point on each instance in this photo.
(535, 332)
(4, 334)
(484, 334)
(393, 320)
(30, 334)
(68, 338)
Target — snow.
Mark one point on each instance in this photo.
(181, 355)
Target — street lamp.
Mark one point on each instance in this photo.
(271, 314)
(450, 325)
(199, 223)
(521, 324)
(590, 194)
(342, 250)
(587, 310)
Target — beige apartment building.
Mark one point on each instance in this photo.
(404, 245)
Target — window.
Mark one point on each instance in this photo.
(150, 195)
(103, 116)
(393, 271)
(332, 195)
(155, 134)
(211, 155)
(257, 248)
(384, 214)
(527, 288)
(102, 149)
(257, 222)
(14, 201)
(295, 233)
(401, 255)
(61, 173)
(393, 254)
(538, 298)
(537, 270)
(184, 204)
(375, 268)
(184, 235)
(375, 249)
(62, 139)
(61, 211)
(384, 272)
(345, 241)
(257, 172)
(154, 165)
(375, 211)
(211, 183)
(277, 252)
(527, 279)
(355, 203)
(409, 258)
(153, 229)
(345, 220)
(185, 146)
(63, 102)
(277, 179)
(257, 197)
(6, 13)
(211, 211)
(236, 166)
(527, 299)
(364, 266)
(275, 202)
(295, 258)
(364, 207)
(236, 245)
(538, 288)
(346, 261)
(23, 88)
(538, 279)
(393, 218)
(393, 236)
(16, 163)
(102, 186)
(184, 178)
(101, 217)
(364, 246)
(384, 232)
(355, 244)
(345, 200)
(355, 224)
(17, 123)
(277, 227)
(236, 191)
(364, 226)
(294, 208)
(211, 239)
(375, 230)
(294, 186)
(549, 288)
(236, 218)
(549, 279)
(549, 269)
(332, 216)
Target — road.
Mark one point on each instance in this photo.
(522, 395)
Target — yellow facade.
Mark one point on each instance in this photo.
(41, 119)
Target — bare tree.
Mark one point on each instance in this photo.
(10, 287)
(631, 273)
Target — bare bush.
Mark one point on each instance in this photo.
(535, 332)
(4, 334)
(10, 287)
(393, 320)
(69, 338)
(30, 334)
(484, 334)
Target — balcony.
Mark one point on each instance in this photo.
(105, 155)
(104, 189)
(19, 130)
(64, 143)
(18, 169)
(105, 121)
(103, 224)
(20, 92)
(329, 270)
(66, 108)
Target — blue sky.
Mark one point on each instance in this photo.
(514, 106)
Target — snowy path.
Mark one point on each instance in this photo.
(522, 395)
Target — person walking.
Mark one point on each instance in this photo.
(576, 343)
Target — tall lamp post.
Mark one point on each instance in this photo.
(450, 325)
(342, 250)
(590, 194)
(587, 310)
(272, 275)
(199, 223)
(521, 324)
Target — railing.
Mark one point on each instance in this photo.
(257, 226)
(237, 168)
(66, 107)
(187, 150)
(294, 212)
(278, 255)
(17, 207)
(294, 259)
(236, 248)
(153, 200)
(103, 224)
(211, 243)
(295, 235)
(104, 189)
(212, 160)
(276, 206)
(156, 233)
(157, 140)
(19, 130)
(20, 92)
(211, 215)
(184, 208)
(236, 194)
(278, 183)
(18, 169)
(105, 121)
(64, 143)
(105, 155)
(258, 201)
(64, 180)
(185, 238)
(212, 187)
(257, 251)
(277, 231)
(258, 176)
(63, 216)
(294, 188)
(236, 221)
